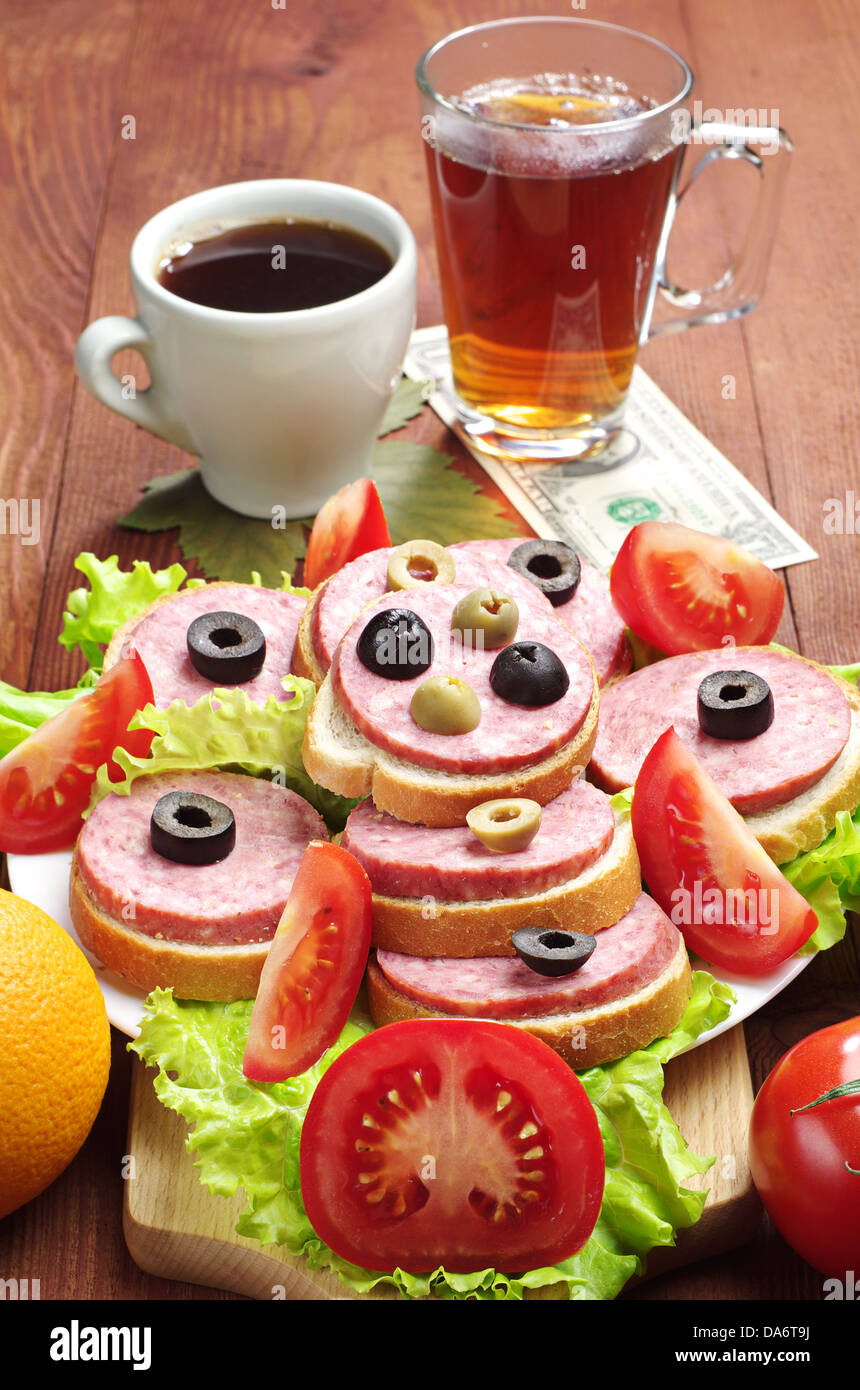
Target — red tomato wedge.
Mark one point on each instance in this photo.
(685, 591)
(45, 782)
(314, 967)
(707, 870)
(805, 1156)
(348, 525)
(451, 1142)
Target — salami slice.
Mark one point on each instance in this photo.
(508, 735)
(627, 957)
(366, 578)
(160, 638)
(412, 861)
(237, 900)
(811, 724)
(590, 613)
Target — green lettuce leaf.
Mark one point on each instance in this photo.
(22, 711)
(829, 879)
(91, 618)
(93, 615)
(621, 802)
(851, 674)
(227, 729)
(247, 1135)
(286, 585)
(643, 652)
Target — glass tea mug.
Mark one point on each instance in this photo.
(552, 239)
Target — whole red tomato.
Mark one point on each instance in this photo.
(806, 1161)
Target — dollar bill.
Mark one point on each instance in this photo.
(659, 467)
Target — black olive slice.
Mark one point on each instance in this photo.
(528, 673)
(552, 566)
(734, 704)
(396, 644)
(547, 951)
(192, 829)
(227, 648)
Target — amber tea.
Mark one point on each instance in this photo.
(547, 249)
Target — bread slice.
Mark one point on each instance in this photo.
(595, 899)
(584, 1039)
(802, 823)
(337, 756)
(305, 662)
(194, 971)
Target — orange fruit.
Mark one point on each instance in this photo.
(54, 1050)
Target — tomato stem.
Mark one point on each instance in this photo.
(855, 1171)
(848, 1088)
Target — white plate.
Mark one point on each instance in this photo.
(43, 879)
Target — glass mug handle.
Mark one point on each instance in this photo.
(739, 288)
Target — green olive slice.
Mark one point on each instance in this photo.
(420, 562)
(446, 705)
(507, 825)
(486, 618)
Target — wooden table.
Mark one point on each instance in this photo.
(222, 91)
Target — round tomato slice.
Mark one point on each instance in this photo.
(805, 1157)
(685, 591)
(451, 1142)
(45, 782)
(314, 967)
(707, 870)
(348, 525)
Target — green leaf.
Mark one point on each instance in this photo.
(851, 673)
(22, 711)
(245, 1134)
(424, 495)
(408, 400)
(225, 545)
(829, 878)
(93, 615)
(622, 802)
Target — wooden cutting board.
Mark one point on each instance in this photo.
(174, 1227)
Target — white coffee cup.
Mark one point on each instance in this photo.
(282, 408)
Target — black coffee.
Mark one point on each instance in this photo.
(269, 267)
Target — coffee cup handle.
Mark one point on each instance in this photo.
(95, 350)
(738, 290)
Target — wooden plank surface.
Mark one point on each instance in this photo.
(222, 91)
